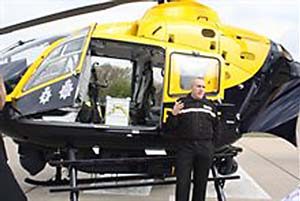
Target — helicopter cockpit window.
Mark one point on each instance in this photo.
(186, 67)
(16, 58)
(27, 50)
(62, 60)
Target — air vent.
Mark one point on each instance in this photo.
(212, 46)
(208, 33)
(227, 75)
(202, 18)
(171, 38)
(224, 54)
(247, 55)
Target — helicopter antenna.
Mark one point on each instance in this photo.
(14, 45)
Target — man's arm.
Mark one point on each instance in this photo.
(2, 93)
(172, 122)
(173, 117)
(216, 122)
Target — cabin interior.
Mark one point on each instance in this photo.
(125, 86)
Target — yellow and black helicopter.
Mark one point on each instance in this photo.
(111, 86)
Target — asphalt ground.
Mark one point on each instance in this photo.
(268, 167)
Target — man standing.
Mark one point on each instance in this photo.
(9, 188)
(194, 120)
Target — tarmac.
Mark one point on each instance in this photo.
(268, 167)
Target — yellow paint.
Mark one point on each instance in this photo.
(86, 45)
(245, 54)
(123, 28)
(166, 110)
(180, 26)
(181, 23)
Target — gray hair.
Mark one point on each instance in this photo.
(199, 77)
(196, 78)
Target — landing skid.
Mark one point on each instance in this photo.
(73, 184)
(46, 183)
(64, 182)
(56, 181)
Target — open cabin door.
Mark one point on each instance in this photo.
(126, 84)
(53, 81)
(184, 65)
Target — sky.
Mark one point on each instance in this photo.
(276, 19)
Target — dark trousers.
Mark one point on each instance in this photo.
(193, 156)
(9, 187)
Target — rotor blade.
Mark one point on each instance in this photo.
(65, 14)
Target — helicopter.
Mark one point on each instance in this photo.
(97, 99)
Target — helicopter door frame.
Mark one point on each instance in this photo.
(39, 91)
(193, 64)
(176, 86)
(147, 61)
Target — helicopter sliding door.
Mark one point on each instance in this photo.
(51, 82)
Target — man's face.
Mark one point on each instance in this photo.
(198, 89)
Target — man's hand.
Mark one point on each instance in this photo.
(177, 108)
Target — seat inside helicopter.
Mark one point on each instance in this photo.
(126, 82)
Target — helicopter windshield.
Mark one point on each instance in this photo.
(15, 59)
(62, 60)
(28, 50)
